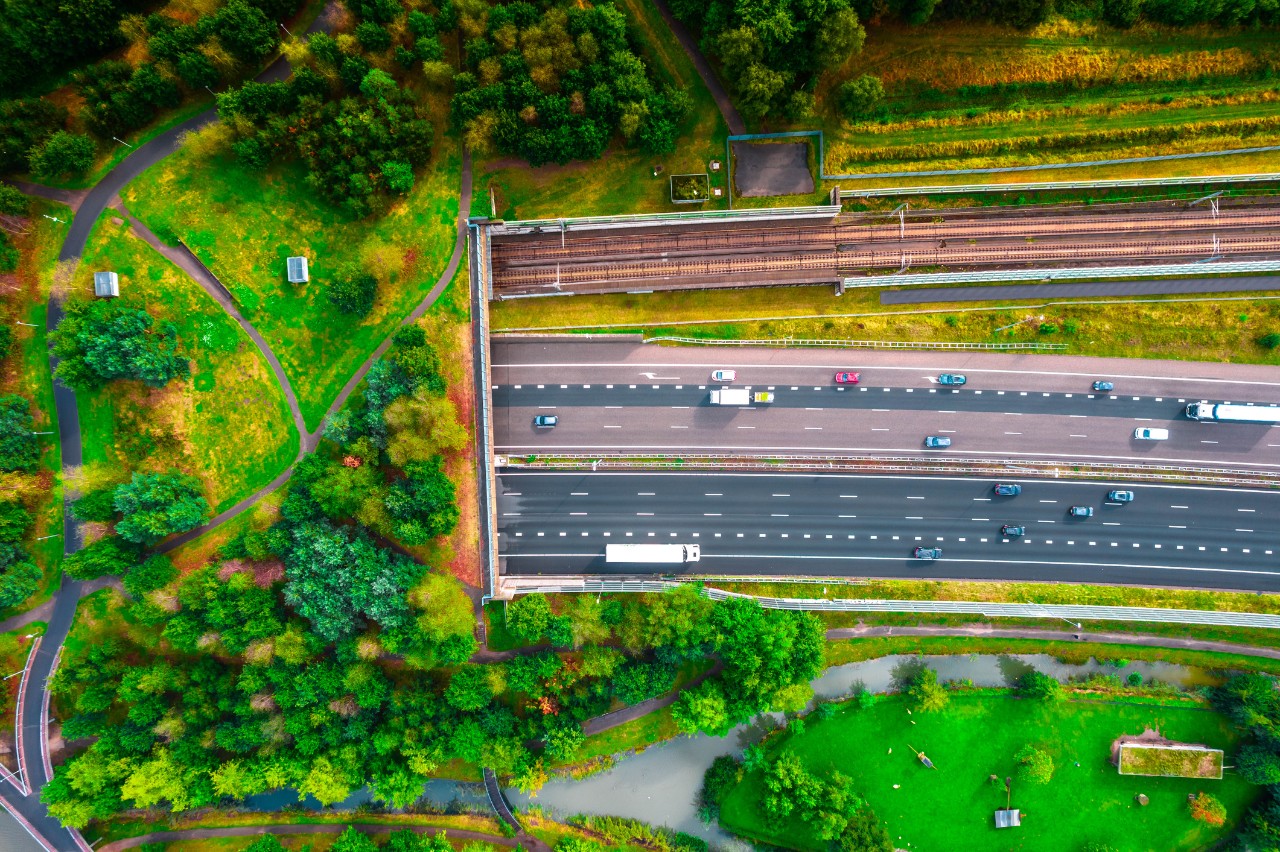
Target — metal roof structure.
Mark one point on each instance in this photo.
(297, 267)
(1008, 818)
(106, 284)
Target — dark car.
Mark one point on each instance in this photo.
(546, 421)
(937, 442)
(1104, 387)
(1008, 489)
(951, 379)
(1121, 496)
(1081, 511)
(844, 378)
(1012, 530)
(928, 554)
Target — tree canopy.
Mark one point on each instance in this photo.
(156, 505)
(19, 449)
(103, 340)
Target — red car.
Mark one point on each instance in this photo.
(847, 378)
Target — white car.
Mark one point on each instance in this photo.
(723, 375)
(1146, 433)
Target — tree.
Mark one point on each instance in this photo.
(153, 574)
(758, 87)
(702, 708)
(527, 616)
(840, 36)
(925, 691)
(399, 176)
(12, 201)
(859, 98)
(1258, 764)
(469, 688)
(19, 575)
(563, 741)
(353, 841)
(1207, 809)
(242, 29)
(352, 291)
(1121, 14)
(1033, 684)
(97, 506)
(423, 504)
(15, 520)
(60, 155)
(155, 505)
(266, 843)
(103, 340)
(111, 555)
(1034, 765)
(19, 449)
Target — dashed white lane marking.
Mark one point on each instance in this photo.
(1240, 530)
(1077, 436)
(914, 518)
(1179, 507)
(781, 495)
(1246, 510)
(613, 427)
(1177, 527)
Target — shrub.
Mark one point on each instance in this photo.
(926, 692)
(1034, 765)
(111, 555)
(9, 255)
(61, 154)
(153, 574)
(1270, 340)
(1033, 684)
(12, 201)
(1121, 13)
(1207, 809)
(353, 291)
(97, 506)
(859, 98)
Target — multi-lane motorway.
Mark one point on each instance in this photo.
(631, 397)
(867, 526)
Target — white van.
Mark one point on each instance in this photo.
(1146, 433)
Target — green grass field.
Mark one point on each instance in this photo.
(228, 424)
(243, 224)
(976, 736)
(622, 181)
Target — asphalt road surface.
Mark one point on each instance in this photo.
(631, 397)
(1080, 290)
(867, 526)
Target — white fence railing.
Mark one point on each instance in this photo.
(641, 220)
(1166, 270)
(863, 344)
(1065, 612)
(1053, 186)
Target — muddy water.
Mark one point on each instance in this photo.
(660, 785)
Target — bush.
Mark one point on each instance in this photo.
(111, 555)
(925, 691)
(1034, 765)
(96, 506)
(721, 777)
(61, 154)
(353, 292)
(1033, 684)
(9, 255)
(12, 201)
(859, 98)
(1207, 809)
(1121, 13)
(153, 574)
(18, 447)
(1270, 340)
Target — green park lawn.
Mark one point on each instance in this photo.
(243, 224)
(977, 736)
(227, 424)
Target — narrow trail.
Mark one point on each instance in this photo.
(700, 64)
(296, 829)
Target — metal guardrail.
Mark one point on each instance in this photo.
(1167, 270)
(1052, 186)
(955, 466)
(863, 344)
(1065, 612)
(478, 246)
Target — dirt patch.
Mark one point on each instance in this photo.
(762, 170)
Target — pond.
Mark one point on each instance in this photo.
(660, 786)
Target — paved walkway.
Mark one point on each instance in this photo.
(1079, 290)
(297, 829)
(700, 64)
(988, 631)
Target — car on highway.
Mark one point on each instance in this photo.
(546, 421)
(1008, 489)
(937, 442)
(1013, 530)
(952, 379)
(1080, 511)
(723, 375)
(846, 378)
(928, 554)
(1104, 387)
(1146, 433)
(1121, 496)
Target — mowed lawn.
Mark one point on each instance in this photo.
(228, 424)
(977, 736)
(243, 224)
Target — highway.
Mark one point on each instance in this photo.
(631, 397)
(728, 254)
(867, 526)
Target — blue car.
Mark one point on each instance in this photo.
(1008, 489)
(1121, 496)
(937, 442)
(1104, 387)
(951, 379)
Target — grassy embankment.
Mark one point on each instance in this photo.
(121, 828)
(622, 181)
(977, 736)
(25, 372)
(15, 648)
(971, 95)
(243, 224)
(1219, 330)
(228, 424)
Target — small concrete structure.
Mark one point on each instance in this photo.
(297, 269)
(1008, 818)
(106, 284)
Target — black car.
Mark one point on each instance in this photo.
(1013, 531)
(546, 421)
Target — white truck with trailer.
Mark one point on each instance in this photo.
(739, 396)
(1227, 413)
(652, 554)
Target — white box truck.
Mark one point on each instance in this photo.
(652, 554)
(1226, 412)
(731, 396)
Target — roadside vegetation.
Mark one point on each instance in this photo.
(1231, 328)
(31, 498)
(203, 401)
(1055, 748)
(15, 648)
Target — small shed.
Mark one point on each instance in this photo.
(106, 284)
(298, 273)
(1008, 818)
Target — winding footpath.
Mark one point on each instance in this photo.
(88, 206)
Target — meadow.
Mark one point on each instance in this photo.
(976, 736)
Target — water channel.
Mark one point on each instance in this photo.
(660, 785)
